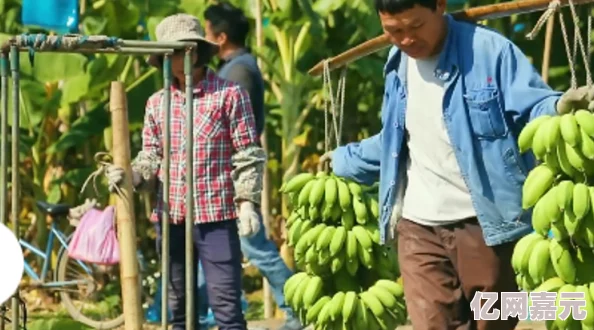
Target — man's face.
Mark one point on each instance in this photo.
(211, 36)
(418, 31)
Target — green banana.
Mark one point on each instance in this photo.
(303, 197)
(585, 121)
(314, 311)
(349, 306)
(338, 239)
(313, 291)
(553, 133)
(297, 182)
(374, 305)
(325, 238)
(570, 130)
(362, 237)
(562, 260)
(540, 257)
(393, 287)
(538, 181)
(581, 200)
(331, 191)
(317, 191)
(587, 145)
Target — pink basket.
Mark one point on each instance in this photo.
(94, 239)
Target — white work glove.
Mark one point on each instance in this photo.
(115, 177)
(579, 98)
(249, 220)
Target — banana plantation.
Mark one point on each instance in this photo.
(65, 119)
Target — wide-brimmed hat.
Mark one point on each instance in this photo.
(181, 27)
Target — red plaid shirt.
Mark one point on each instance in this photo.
(223, 124)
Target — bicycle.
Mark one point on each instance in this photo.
(98, 281)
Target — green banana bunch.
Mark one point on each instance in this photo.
(331, 199)
(564, 143)
(346, 279)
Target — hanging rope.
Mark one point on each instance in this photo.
(575, 19)
(590, 33)
(331, 103)
(555, 6)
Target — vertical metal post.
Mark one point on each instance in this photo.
(190, 280)
(14, 66)
(166, 176)
(3, 150)
(4, 138)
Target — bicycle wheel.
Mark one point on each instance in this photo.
(96, 300)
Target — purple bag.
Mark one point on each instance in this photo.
(94, 239)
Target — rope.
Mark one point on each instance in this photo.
(44, 42)
(589, 38)
(553, 7)
(568, 51)
(337, 119)
(340, 96)
(581, 42)
(104, 160)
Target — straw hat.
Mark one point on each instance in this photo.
(181, 27)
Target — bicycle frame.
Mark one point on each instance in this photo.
(41, 278)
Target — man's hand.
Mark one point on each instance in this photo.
(580, 98)
(115, 177)
(249, 219)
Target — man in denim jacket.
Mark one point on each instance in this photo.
(456, 97)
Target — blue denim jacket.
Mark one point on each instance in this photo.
(492, 91)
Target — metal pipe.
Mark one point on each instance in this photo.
(121, 50)
(14, 66)
(166, 176)
(4, 137)
(157, 44)
(3, 148)
(190, 280)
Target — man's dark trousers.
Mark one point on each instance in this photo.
(218, 247)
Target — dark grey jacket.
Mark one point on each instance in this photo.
(242, 68)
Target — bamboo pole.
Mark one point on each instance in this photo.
(265, 202)
(126, 222)
(472, 14)
(546, 56)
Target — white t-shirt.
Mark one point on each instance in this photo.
(436, 193)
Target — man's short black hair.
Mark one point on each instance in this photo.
(398, 6)
(228, 19)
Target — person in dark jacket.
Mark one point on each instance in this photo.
(227, 26)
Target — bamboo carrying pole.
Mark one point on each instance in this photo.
(472, 14)
(126, 222)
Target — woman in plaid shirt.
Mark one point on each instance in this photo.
(228, 166)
